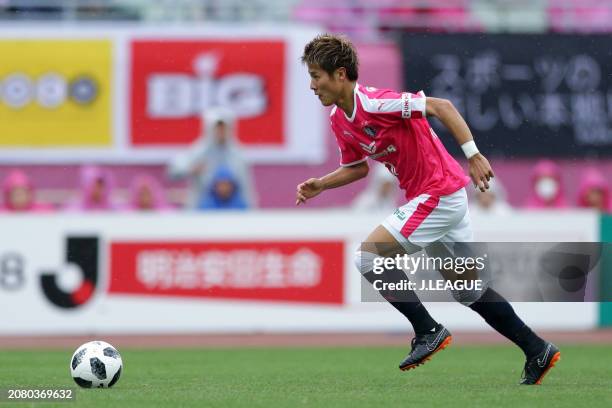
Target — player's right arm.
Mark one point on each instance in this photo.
(479, 167)
(340, 177)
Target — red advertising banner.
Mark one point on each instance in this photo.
(175, 81)
(299, 271)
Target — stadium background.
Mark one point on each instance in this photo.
(531, 77)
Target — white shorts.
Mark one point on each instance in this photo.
(426, 219)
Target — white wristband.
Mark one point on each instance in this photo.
(469, 149)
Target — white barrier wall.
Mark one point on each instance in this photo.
(262, 271)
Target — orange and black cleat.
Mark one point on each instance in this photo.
(426, 345)
(539, 365)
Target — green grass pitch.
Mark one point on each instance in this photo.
(460, 376)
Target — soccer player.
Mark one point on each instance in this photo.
(392, 128)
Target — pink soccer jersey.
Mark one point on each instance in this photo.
(391, 128)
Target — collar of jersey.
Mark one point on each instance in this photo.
(352, 118)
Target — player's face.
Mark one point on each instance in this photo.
(327, 87)
(98, 190)
(220, 132)
(224, 189)
(20, 197)
(145, 198)
(595, 199)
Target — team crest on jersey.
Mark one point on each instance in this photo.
(369, 130)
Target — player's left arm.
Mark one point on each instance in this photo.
(479, 167)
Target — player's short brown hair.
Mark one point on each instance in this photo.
(331, 52)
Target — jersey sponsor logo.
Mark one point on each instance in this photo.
(347, 133)
(371, 148)
(388, 150)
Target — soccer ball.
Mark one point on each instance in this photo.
(96, 364)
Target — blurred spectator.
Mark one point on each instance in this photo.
(380, 194)
(217, 147)
(19, 196)
(225, 192)
(547, 190)
(147, 194)
(493, 201)
(97, 186)
(582, 16)
(594, 191)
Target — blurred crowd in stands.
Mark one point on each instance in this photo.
(221, 181)
(217, 174)
(546, 192)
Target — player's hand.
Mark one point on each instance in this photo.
(480, 171)
(308, 189)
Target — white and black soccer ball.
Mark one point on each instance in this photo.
(96, 364)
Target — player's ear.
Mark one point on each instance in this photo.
(340, 73)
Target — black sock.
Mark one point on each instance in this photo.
(500, 315)
(406, 302)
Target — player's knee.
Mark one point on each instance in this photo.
(364, 261)
(467, 297)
